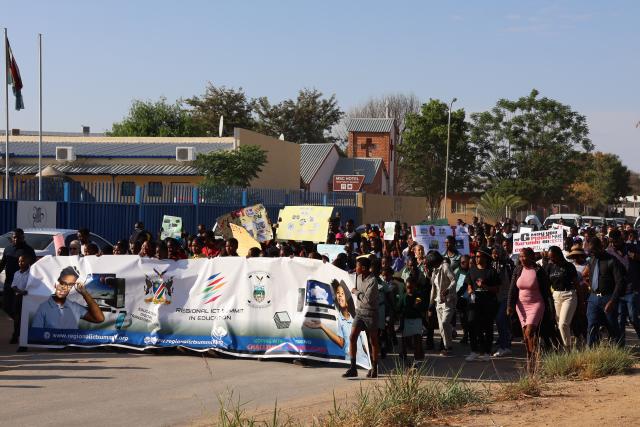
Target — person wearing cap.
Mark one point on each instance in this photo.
(578, 258)
(482, 285)
(59, 313)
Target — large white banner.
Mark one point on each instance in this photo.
(433, 237)
(537, 240)
(33, 214)
(257, 307)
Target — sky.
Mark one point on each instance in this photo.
(99, 56)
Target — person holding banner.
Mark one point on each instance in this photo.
(366, 292)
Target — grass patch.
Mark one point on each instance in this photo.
(233, 414)
(587, 363)
(404, 398)
(526, 387)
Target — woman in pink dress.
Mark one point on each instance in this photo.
(529, 291)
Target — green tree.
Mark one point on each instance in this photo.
(230, 103)
(154, 118)
(528, 147)
(422, 154)
(307, 119)
(231, 168)
(493, 205)
(602, 181)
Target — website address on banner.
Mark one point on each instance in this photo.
(184, 341)
(106, 338)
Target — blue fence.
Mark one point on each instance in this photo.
(111, 210)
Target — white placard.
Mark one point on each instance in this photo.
(538, 240)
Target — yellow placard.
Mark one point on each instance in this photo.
(245, 241)
(310, 223)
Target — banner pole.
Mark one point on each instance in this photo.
(40, 119)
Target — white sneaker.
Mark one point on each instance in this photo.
(484, 358)
(471, 357)
(499, 353)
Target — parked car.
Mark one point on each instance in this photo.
(616, 222)
(595, 221)
(568, 219)
(41, 240)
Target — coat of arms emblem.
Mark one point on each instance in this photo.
(260, 287)
(158, 288)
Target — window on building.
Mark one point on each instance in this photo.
(154, 189)
(458, 207)
(127, 188)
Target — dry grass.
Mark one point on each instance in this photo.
(587, 363)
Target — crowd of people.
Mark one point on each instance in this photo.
(554, 299)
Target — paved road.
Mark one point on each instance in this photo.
(105, 387)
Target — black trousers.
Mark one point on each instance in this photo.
(480, 317)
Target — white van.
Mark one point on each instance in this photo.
(568, 219)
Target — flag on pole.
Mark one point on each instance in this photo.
(13, 77)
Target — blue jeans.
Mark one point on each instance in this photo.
(597, 317)
(628, 307)
(503, 324)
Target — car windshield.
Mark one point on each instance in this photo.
(569, 222)
(596, 221)
(37, 241)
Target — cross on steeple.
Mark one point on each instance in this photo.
(368, 145)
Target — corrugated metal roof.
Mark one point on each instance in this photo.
(363, 166)
(71, 169)
(311, 158)
(113, 149)
(370, 125)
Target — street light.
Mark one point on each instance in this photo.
(446, 166)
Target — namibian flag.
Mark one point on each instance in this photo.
(13, 77)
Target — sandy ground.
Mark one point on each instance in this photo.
(612, 401)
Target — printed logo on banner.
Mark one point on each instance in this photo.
(260, 287)
(158, 288)
(217, 335)
(213, 290)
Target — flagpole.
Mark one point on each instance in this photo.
(40, 129)
(6, 104)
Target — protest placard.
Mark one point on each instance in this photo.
(433, 237)
(310, 223)
(254, 219)
(389, 230)
(171, 227)
(245, 241)
(537, 240)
